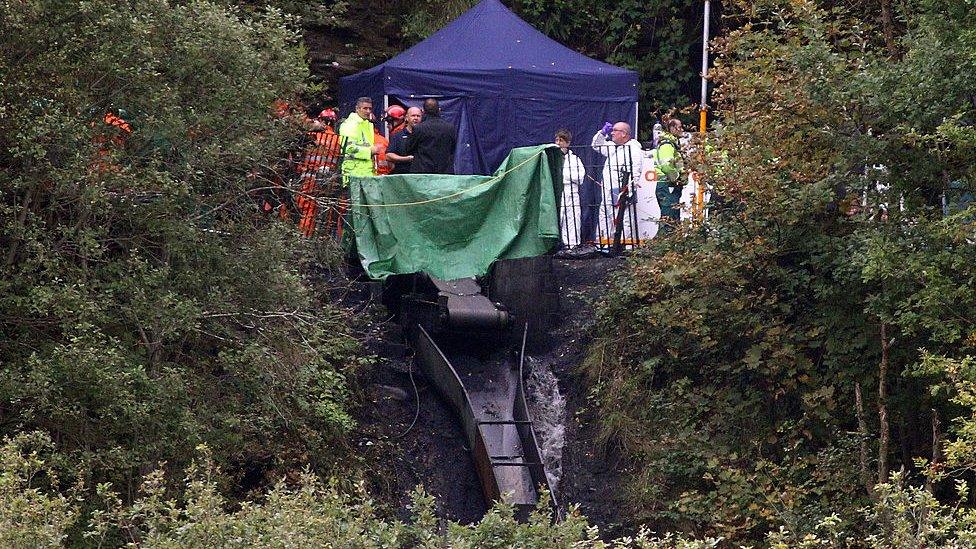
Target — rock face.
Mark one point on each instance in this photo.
(529, 289)
(365, 36)
(590, 472)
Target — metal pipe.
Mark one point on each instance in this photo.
(636, 117)
(699, 208)
(704, 70)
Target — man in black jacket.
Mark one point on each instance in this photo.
(432, 142)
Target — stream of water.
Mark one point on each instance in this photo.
(548, 408)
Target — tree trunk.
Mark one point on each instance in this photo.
(936, 451)
(862, 431)
(888, 25)
(885, 431)
(21, 221)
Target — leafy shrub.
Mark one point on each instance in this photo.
(145, 305)
(32, 515)
(307, 512)
(304, 512)
(729, 359)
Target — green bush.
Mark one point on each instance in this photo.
(309, 513)
(31, 516)
(728, 357)
(146, 306)
(303, 513)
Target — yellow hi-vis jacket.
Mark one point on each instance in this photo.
(358, 153)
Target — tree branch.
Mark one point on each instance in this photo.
(936, 451)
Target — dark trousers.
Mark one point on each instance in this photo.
(589, 211)
(669, 200)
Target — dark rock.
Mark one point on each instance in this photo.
(387, 391)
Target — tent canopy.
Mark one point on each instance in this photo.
(502, 83)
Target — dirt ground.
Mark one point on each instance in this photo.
(433, 451)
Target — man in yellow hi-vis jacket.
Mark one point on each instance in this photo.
(360, 146)
(670, 172)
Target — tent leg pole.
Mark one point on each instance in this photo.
(386, 105)
(636, 117)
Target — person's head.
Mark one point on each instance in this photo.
(620, 133)
(431, 108)
(675, 127)
(414, 114)
(563, 139)
(327, 117)
(394, 115)
(364, 108)
(281, 108)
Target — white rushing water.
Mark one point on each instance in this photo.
(548, 408)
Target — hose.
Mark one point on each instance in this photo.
(416, 396)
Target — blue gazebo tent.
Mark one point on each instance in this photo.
(502, 83)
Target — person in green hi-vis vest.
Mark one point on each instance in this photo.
(669, 166)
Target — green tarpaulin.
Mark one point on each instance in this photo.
(455, 226)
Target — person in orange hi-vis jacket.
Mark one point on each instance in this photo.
(113, 138)
(323, 150)
(321, 157)
(381, 165)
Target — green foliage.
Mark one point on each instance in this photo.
(333, 15)
(309, 513)
(303, 513)
(728, 357)
(902, 516)
(425, 18)
(145, 307)
(715, 376)
(30, 515)
(661, 40)
(956, 380)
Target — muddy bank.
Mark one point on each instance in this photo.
(590, 473)
(433, 450)
(413, 438)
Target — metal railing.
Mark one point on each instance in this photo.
(608, 198)
(308, 189)
(607, 201)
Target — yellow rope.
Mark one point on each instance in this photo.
(492, 180)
